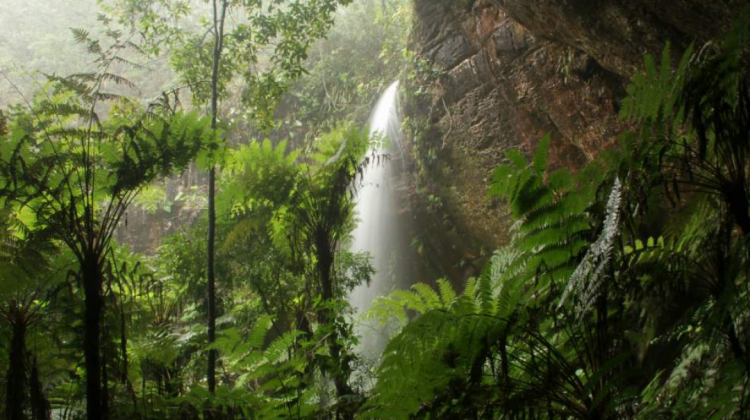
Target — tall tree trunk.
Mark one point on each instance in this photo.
(16, 379)
(211, 282)
(40, 406)
(124, 352)
(739, 206)
(92, 282)
(341, 368)
(105, 379)
(218, 46)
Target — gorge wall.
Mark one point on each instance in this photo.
(499, 74)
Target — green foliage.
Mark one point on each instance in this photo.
(45, 158)
(153, 199)
(622, 295)
(286, 215)
(553, 225)
(448, 361)
(361, 55)
(83, 150)
(656, 327)
(443, 346)
(259, 177)
(75, 172)
(265, 378)
(267, 46)
(587, 281)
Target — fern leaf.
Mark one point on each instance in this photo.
(542, 154)
(117, 79)
(258, 333)
(447, 294)
(278, 349)
(80, 35)
(428, 295)
(587, 279)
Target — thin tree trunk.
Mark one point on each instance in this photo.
(40, 406)
(341, 369)
(124, 352)
(93, 300)
(16, 379)
(218, 45)
(740, 208)
(105, 380)
(211, 283)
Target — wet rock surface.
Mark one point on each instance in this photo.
(617, 33)
(510, 71)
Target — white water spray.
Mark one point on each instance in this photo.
(381, 231)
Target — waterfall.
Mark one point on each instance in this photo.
(382, 229)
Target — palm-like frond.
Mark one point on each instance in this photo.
(586, 281)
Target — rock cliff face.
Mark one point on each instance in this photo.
(499, 74)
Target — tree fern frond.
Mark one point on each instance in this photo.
(278, 349)
(552, 235)
(586, 281)
(64, 109)
(542, 154)
(80, 35)
(118, 80)
(542, 216)
(447, 293)
(430, 298)
(257, 336)
(410, 300)
(531, 196)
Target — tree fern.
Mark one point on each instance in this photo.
(447, 294)
(655, 92)
(552, 223)
(444, 341)
(492, 335)
(420, 300)
(266, 379)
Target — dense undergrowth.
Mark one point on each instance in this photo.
(622, 295)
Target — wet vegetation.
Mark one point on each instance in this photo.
(178, 191)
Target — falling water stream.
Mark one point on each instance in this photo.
(381, 229)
